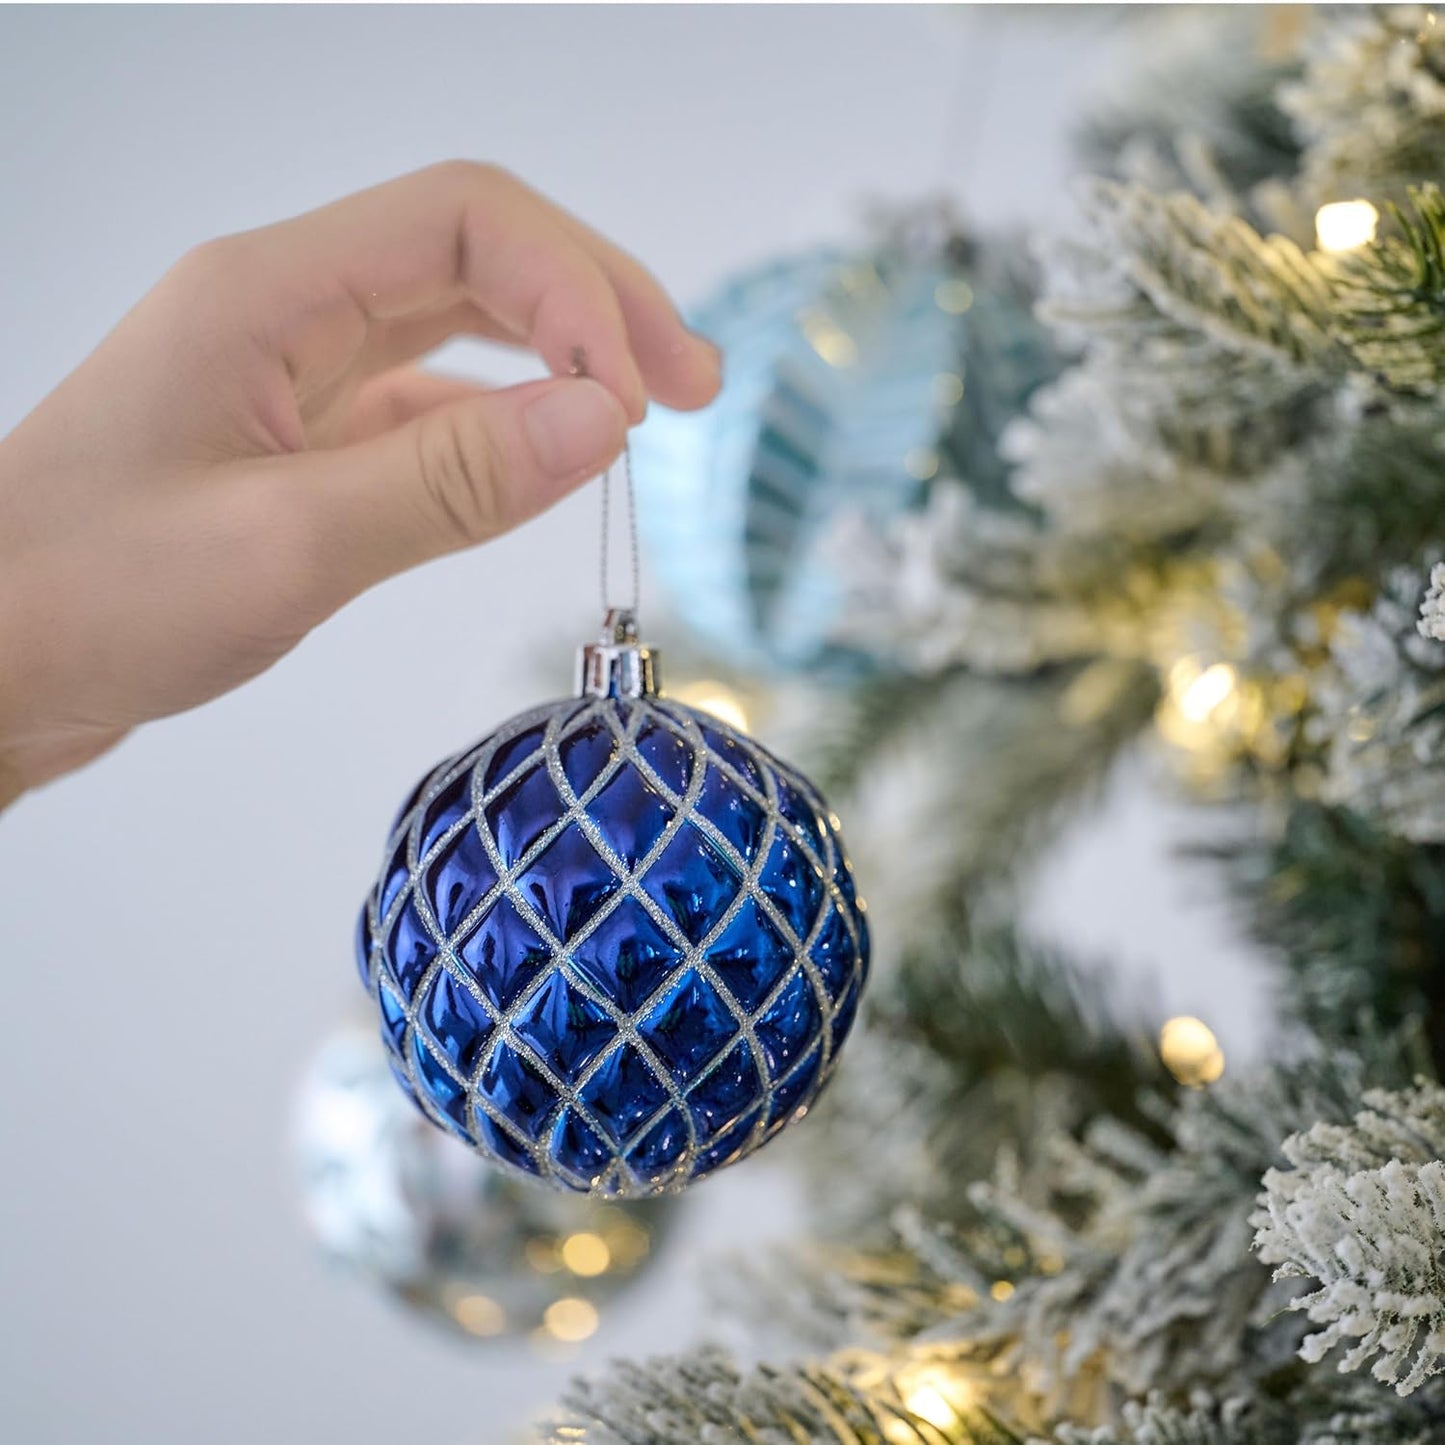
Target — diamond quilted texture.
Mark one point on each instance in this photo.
(394, 880)
(792, 1024)
(631, 815)
(564, 1027)
(793, 1092)
(843, 1015)
(834, 954)
(666, 754)
(730, 1145)
(622, 1093)
(500, 1144)
(393, 1018)
(689, 1028)
(584, 755)
(662, 1149)
(444, 1091)
(741, 820)
(517, 1090)
(521, 814)
(445, 811)
(504, 954)
(458, 880)
(793, 883)
(627, 956)
(409, 950)
(512, 753)
(692, 883)
(750, 957)
(721, 1097)
(796, 809)
(568, 882)
(585, 1153)
(458, 1025)
(620, 1065)
(727, 749)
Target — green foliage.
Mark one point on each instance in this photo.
(1392, 297)
(1212, 273)
(705, 1399)
(1159, 1423)
(1356, 918)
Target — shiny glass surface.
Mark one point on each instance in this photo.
(616, 944)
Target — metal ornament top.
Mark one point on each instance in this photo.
(617, 664)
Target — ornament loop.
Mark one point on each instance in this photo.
(579, 368)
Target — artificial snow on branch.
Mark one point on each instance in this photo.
(1432, 609)
(1392, 298)
(1362, 1213)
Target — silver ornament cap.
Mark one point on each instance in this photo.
(617, 664)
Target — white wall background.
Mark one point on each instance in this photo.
(174, 922)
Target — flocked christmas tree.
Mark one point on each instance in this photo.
(1216, 544)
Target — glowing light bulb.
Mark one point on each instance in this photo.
(928, 1404)
(542, 1255)
(1198, 693)
(935, 1395)
(948, 388)
(586, 1254)
(708, 695)
(628, 1243)
(1345, 225)
(954, 297)
(828, 339)
(1190, 1051)
(570, 1319)
(921, 464)
(479, 1315)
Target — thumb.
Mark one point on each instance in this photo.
(450, 478)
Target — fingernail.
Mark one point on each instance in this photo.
(574, 427)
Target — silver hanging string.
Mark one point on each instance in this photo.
(579, 368)
(630, 502)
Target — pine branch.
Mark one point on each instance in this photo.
(1356, 918)
(964, 782)
(1361, 1213)
(1155, 1285)
(705, 1399)
(1380, 711)
(990, 1051)
(1370, 105)
(1158, 1423)
(1392, 297)
(1186, 122)
(1212, 273)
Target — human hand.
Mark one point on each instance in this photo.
(251, 447)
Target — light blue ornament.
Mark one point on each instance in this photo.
(851, 382)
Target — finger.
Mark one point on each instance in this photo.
(393, 399)
(450, 477)
(313, 287)
(681, 369)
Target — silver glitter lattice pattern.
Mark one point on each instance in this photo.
(615, 945)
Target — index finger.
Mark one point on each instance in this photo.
(312, 287)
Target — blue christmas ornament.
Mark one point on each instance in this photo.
(616, 944)
(852, 381)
